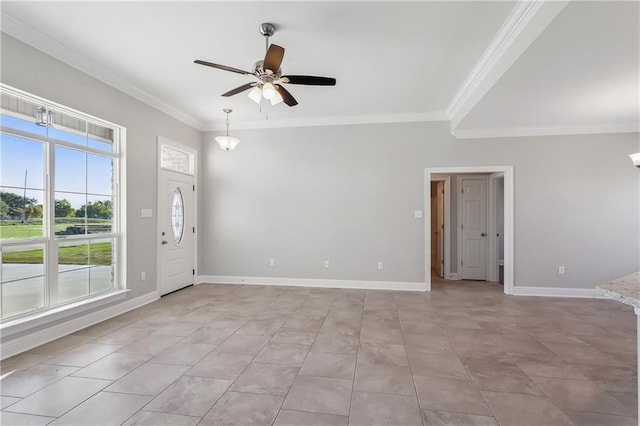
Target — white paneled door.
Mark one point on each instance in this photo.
(474, 227)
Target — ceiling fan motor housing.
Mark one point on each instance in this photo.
(258, 70)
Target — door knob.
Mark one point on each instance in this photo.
(165, 242)
(483, 234)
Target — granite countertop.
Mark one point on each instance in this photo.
(625, 289)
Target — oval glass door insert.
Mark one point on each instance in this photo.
(177, 215)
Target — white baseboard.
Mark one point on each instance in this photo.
(314, 282)
(589, 293)
(452, 276)
(47, 334)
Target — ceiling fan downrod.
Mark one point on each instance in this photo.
(267, 30)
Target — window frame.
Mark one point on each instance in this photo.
(54, 310)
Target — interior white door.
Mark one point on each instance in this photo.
(176, 230)
(440, 228)
(474, 228)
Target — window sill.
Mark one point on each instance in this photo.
(49, 316)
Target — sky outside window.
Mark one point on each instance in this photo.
(77, 174)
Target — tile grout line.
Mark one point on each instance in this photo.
(305, 358)
(234, 380)
(245, 368)
(355, 369)
(284, 398)
(182, 375)
(486, 403)
(413, 381)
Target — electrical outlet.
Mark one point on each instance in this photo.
(326, 263)
(560, 270)
(417, 214)
(272, 262)
(143, 275)
(380, 265)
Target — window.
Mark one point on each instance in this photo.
(59, 204)
(177, 215)
(176, 160)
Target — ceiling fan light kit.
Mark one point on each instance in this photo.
(256, 94)
(268, 76)
(226, 142)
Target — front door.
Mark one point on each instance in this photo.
(474, 227)
(176, 223)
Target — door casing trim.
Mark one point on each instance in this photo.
(164, 141)
(509, 186)
(493, 273)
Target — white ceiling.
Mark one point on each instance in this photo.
(581, 72)
(394, 61)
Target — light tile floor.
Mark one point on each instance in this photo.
(464, 354)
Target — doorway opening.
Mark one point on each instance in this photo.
(440, 194)
(482, 251)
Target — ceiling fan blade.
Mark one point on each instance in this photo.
(273, 58)
(221, 67)
(239, 89)
(287, 98)
(309, 80)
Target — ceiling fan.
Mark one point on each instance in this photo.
(268, 75)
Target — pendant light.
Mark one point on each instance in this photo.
(226, 142)
(636, 159)
(43, 117)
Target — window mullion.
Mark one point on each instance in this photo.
(51, 257)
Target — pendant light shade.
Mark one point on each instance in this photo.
(226, 142)
(268, 91)
(636, 159)
(277, 98)
(256, 94)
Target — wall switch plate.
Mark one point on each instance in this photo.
(143, 275)
(272, 262)
(146, 213)
(326, 263)
(380, 265)
(417, 214)
(560, 270)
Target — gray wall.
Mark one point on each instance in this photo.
(347, 194)
(31, 70)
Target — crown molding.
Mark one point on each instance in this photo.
(59, 51)
(525, 23)
(426, 116)
(546, 131)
